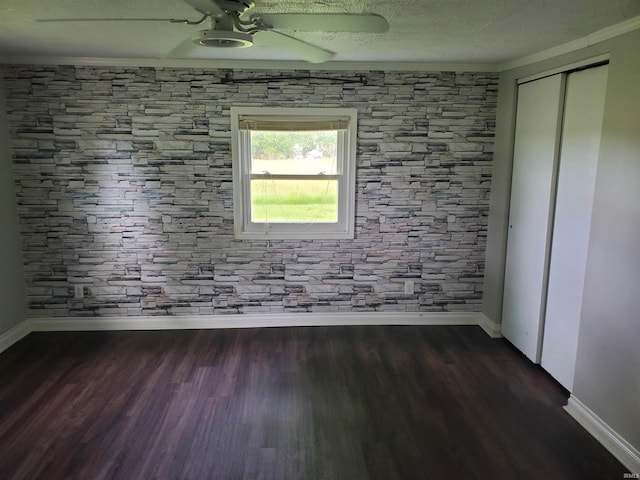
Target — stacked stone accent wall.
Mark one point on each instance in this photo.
(124, 185)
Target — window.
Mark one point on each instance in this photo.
(293, 172)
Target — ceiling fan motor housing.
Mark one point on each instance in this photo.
(223, 39)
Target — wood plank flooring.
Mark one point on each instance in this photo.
(363, 402)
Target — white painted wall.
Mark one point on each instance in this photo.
(13, 298)
(607, 376)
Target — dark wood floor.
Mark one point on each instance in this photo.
(286, 403)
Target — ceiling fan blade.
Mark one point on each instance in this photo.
(208, 7)
(183, 49)
(326, 22)
(305, 51)
(106, 20)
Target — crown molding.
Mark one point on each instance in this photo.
(584, 42)
(247, 64)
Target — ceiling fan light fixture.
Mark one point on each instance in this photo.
(223, 39)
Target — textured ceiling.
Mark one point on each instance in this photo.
(460, 31)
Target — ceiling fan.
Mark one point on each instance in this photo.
(231, 26)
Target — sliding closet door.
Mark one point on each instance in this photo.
(583, 112)
(533, 178)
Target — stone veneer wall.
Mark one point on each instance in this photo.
(123, 180)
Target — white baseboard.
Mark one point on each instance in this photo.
(609, 438)
(14, 335)
(494, 330)
(248, 320)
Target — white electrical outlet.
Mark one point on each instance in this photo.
(409, 287)
(78, 292)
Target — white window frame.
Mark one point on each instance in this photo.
(244, 228)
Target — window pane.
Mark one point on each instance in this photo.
(294, 201)
(294, 153)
